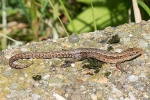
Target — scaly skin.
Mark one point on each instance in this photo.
(80, 53)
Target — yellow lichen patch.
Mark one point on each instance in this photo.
(37, 66)
(4, 84)
(4, 89)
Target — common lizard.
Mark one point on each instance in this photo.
(80, 53)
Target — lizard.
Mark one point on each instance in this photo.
(80, 53)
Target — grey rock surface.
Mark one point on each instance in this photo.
(75, 82)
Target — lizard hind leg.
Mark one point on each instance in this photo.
(118, 66)
(67, 64)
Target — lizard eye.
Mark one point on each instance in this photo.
(136, 52)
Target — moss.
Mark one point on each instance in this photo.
(36, 77)
(114, 39)
(93, 64)
(110, 48)
(107, 74)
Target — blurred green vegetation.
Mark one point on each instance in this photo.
(36, 20)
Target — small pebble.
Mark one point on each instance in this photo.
(132, 78)
(36, 96)
(143, 44)
(14, 85)
(58, 97)
(142, 74)
(76, 96)
(132, 97)
(46, 77)
(74, 38)
(93, 97)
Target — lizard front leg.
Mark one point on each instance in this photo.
(69, 61)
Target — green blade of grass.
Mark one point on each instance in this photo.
(95, 28)
(35, 23)
(145, 7)
(25, 12)
(59, 19)
(18, 42)
(44, 4)
(66, 13)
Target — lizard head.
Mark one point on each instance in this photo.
(134, 52)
